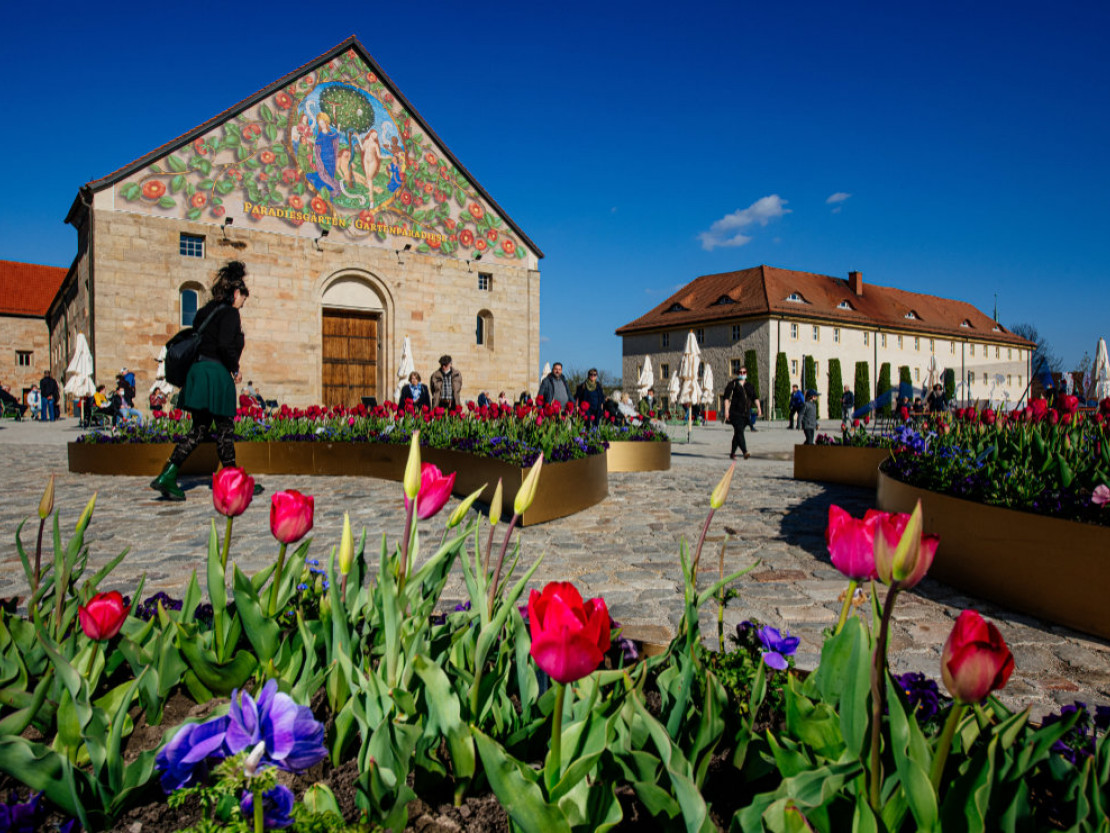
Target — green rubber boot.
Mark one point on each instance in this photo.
(166, 483)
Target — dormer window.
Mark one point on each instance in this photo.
(996, 328)
(966, 323)
(845, 305)
(795, 298)
(912, 316)
(676, 307)
(722, 301)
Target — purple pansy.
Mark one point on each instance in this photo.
(21, 817)
(777, 646)
(193, 744)
(294, 738)
(277, 807)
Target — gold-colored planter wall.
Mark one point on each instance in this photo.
(839, 464)
(564, 488)
(639, 456)
(1052, 568)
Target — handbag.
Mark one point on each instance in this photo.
(183, 350)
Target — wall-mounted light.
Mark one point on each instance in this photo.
(397, 252)
(478, 256)
(323, 233)
(227, 222)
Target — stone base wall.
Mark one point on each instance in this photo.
(19, 334)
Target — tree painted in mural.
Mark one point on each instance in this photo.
(336, 149)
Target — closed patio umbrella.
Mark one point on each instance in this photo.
(1100, 385)
(689, 390)
(79, 373)
(405, 369)
(708, 394)
(160, 382)
(647, 378)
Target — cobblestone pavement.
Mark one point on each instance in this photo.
(624, 549)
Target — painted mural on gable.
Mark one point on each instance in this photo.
(334, 149)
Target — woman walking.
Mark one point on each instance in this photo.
(209, 389)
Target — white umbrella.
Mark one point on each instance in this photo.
(80, 371)
(689, 391)
(647, 378)
(546, 372)
(673, 388)
(405, 369)
(708, 395)
(1100, 386)
(160, 382)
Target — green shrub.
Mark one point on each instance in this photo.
(782, 386)
(883, 387)
(863, 384)
(836, 390)
(809, 374)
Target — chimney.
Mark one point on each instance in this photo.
(855, 283)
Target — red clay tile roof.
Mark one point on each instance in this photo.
(763, 290)
(350, 43)
(28, 288)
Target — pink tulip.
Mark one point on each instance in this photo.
(291, 515)
(1101, 495)
(569, 636)
(435, 489)
(975, 660)
(914, 563)
(232, 491)
(851, 543)
(103, 616)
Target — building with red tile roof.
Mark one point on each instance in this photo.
(26, 290)
(771, 311)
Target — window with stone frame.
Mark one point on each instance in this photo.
(664, 339)
(485, 282)
(23, 358)
(665, 370)
(191, 245)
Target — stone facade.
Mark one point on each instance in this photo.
(20, 336)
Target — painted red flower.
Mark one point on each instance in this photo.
(419, 200)
(289, 175)
(476, 211)
(428, 187)
(218, 211)
(319, 205)
(198, 146)
(466, 237)
(444, 173)
(153, 189)
(296, 202)
(569, 636)
(371, 77)
(491, 235)
(406, 198)
(508, 246)
(433, 242)
(267, 157)
(387, 98)
(365, 216)
(480, 244)
(198, 200)
(430, 158)
(451, 223)
(283, 100)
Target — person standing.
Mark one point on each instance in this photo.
(809, 416)
(554, 387)
(591, 393)
(446, 385)
(416, 393)
(739, 395)
(797, 402)
(935, 402)
(847, 404)
(209, 389)
(647, 405)
(50, 397)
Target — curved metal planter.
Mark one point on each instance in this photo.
(564, 488)
(839, 464)
(1055, 569)
(639, 456)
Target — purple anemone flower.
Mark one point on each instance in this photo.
(277, 807)
(193, 744)
(294, 738)
(21, 818)
(777, 646)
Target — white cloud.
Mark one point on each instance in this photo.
(839, 196)
(728, 230)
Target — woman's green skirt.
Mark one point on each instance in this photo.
(208, 387)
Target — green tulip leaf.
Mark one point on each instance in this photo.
(218, 677)
(518, 790)
(263, 632)
(445, 715)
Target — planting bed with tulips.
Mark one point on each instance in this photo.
(322, 694)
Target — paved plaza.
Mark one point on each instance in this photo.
(625, 549)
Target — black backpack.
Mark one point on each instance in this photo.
(182, 351)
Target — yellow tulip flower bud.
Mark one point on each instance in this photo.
(346, 546)
(720, 494)
(464, 507)
(412, 469)
(527, 492)
(46, 505)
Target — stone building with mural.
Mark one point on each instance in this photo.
(358, 227)
(26, 290)
(802, 314)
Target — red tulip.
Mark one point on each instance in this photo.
(569, 637)
(851, 543)
(975, 660)
(232, 491)
(291, 515)
(904, 561)
(435, 489)
(103, 616)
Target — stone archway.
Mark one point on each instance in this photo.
(353, 318)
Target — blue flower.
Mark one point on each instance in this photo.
(191, 747)
(277, 807)
(21, 818)
(294, 738)
(777, 646)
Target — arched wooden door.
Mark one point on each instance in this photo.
(350, 356)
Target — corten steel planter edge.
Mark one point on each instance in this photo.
(847, 465)
(1052, 568)
(630, 455)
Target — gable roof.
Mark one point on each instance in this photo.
(764, 290)
(351, 43)
(27, 289)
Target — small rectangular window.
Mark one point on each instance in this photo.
(984, 378)
(998, 352)
(1019, 380)
(884, 340)
(794, 331)
(1009, 352)
(899, 342)
(817, 370)
(952, 347)
(917, 374)
(973, 349)
(665, 370)
(23, 357)
(735, 332)
(191, 245)
(916, 343)
(734, 366)
(699, 334)
(816, 333)
(866, 339)
(1009, 380)
(485, 282)
(932, 345)
(793, 367)
(836, 335)
(664, 341)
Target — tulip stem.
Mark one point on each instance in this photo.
(277, 580)
(489, 544)
(259, 816)
(853, 585)
(500, 562)
(701, 542)
(878, 698)
(38, 571)
(945, 746)
(555, 756)
(227, 542)
(91, 663)
(410, 514)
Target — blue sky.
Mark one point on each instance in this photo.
(954, 149)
